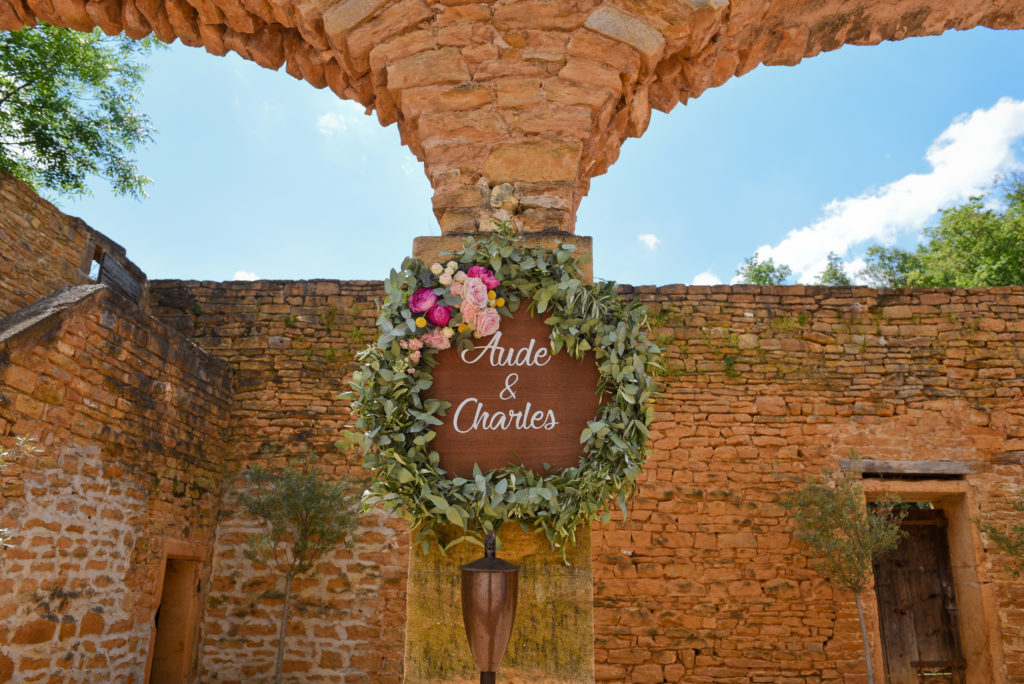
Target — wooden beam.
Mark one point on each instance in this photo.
(935, 468)
(1010, 458)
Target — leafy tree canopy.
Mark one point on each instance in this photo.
(834, 274)
(757, 272)
(68, 109)
(840, 531)
(975, 244)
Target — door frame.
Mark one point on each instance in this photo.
(978, 619)
(184, 550)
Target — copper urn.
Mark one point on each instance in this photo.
(490, 593)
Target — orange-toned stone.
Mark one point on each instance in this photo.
(533, 162)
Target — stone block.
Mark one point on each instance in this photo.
(35, 631)
(349, 13)
(612, 22)
(445, 65)
(519, 92)
(592, 75)
(534, 162)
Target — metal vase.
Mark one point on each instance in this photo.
(490, 593)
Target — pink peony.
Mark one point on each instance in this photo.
(439, 315)
(475, 292)
(435, 340)
(422, 299)
(469, 313)
(484, 274)
(487, 322)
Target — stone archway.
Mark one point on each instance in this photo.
(513, 106)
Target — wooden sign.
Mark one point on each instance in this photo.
(512, 401)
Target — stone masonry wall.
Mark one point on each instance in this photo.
(130, 418)
(703, 583)
(41, 249)
(292, 347)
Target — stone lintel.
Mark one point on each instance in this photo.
(910, 468)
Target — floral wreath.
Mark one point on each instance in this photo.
(432, 308)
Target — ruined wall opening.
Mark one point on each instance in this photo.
(946, 528)
(176, 621)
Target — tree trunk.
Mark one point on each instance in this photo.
(863, 633)
(283, 630)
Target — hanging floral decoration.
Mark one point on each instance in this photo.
(430, 308)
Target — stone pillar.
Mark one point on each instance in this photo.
(553, 636)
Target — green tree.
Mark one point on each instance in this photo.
(834, 274)
(302, 516)
(975, 244)
(844, 535)
(889, 267)
(1010, 539)
(757, 272)
(68, 109)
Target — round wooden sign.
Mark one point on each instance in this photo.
(513, 401)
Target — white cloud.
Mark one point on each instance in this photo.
(331, 123)
(706, 278)
(649, 239)
(346, 116)
(245, 275)
(964, 160)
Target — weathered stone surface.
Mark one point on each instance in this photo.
(554, 624)
(618, 59)
(347, 14)
(612, 22)
(703, 578)
(466, 96)
(533, 162)
(445, 65)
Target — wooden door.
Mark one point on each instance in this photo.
(176, 622)
(917, 605)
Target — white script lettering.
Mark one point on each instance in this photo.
(526, 419)
(500, 356)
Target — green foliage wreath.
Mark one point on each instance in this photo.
(395, 416)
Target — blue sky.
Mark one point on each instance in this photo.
(257, 174)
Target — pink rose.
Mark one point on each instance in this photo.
(415, 344)
(415, 356)
(484, 274)
(456, 289)
(439, 315)
(435, 340)
(487, 322)
(469, 313)
(422, 299)
(475, 292)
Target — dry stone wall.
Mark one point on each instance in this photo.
(764, 385)
(130, 418)
(41, 249)
(703, 583)
(292, 347)
(514, 105)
